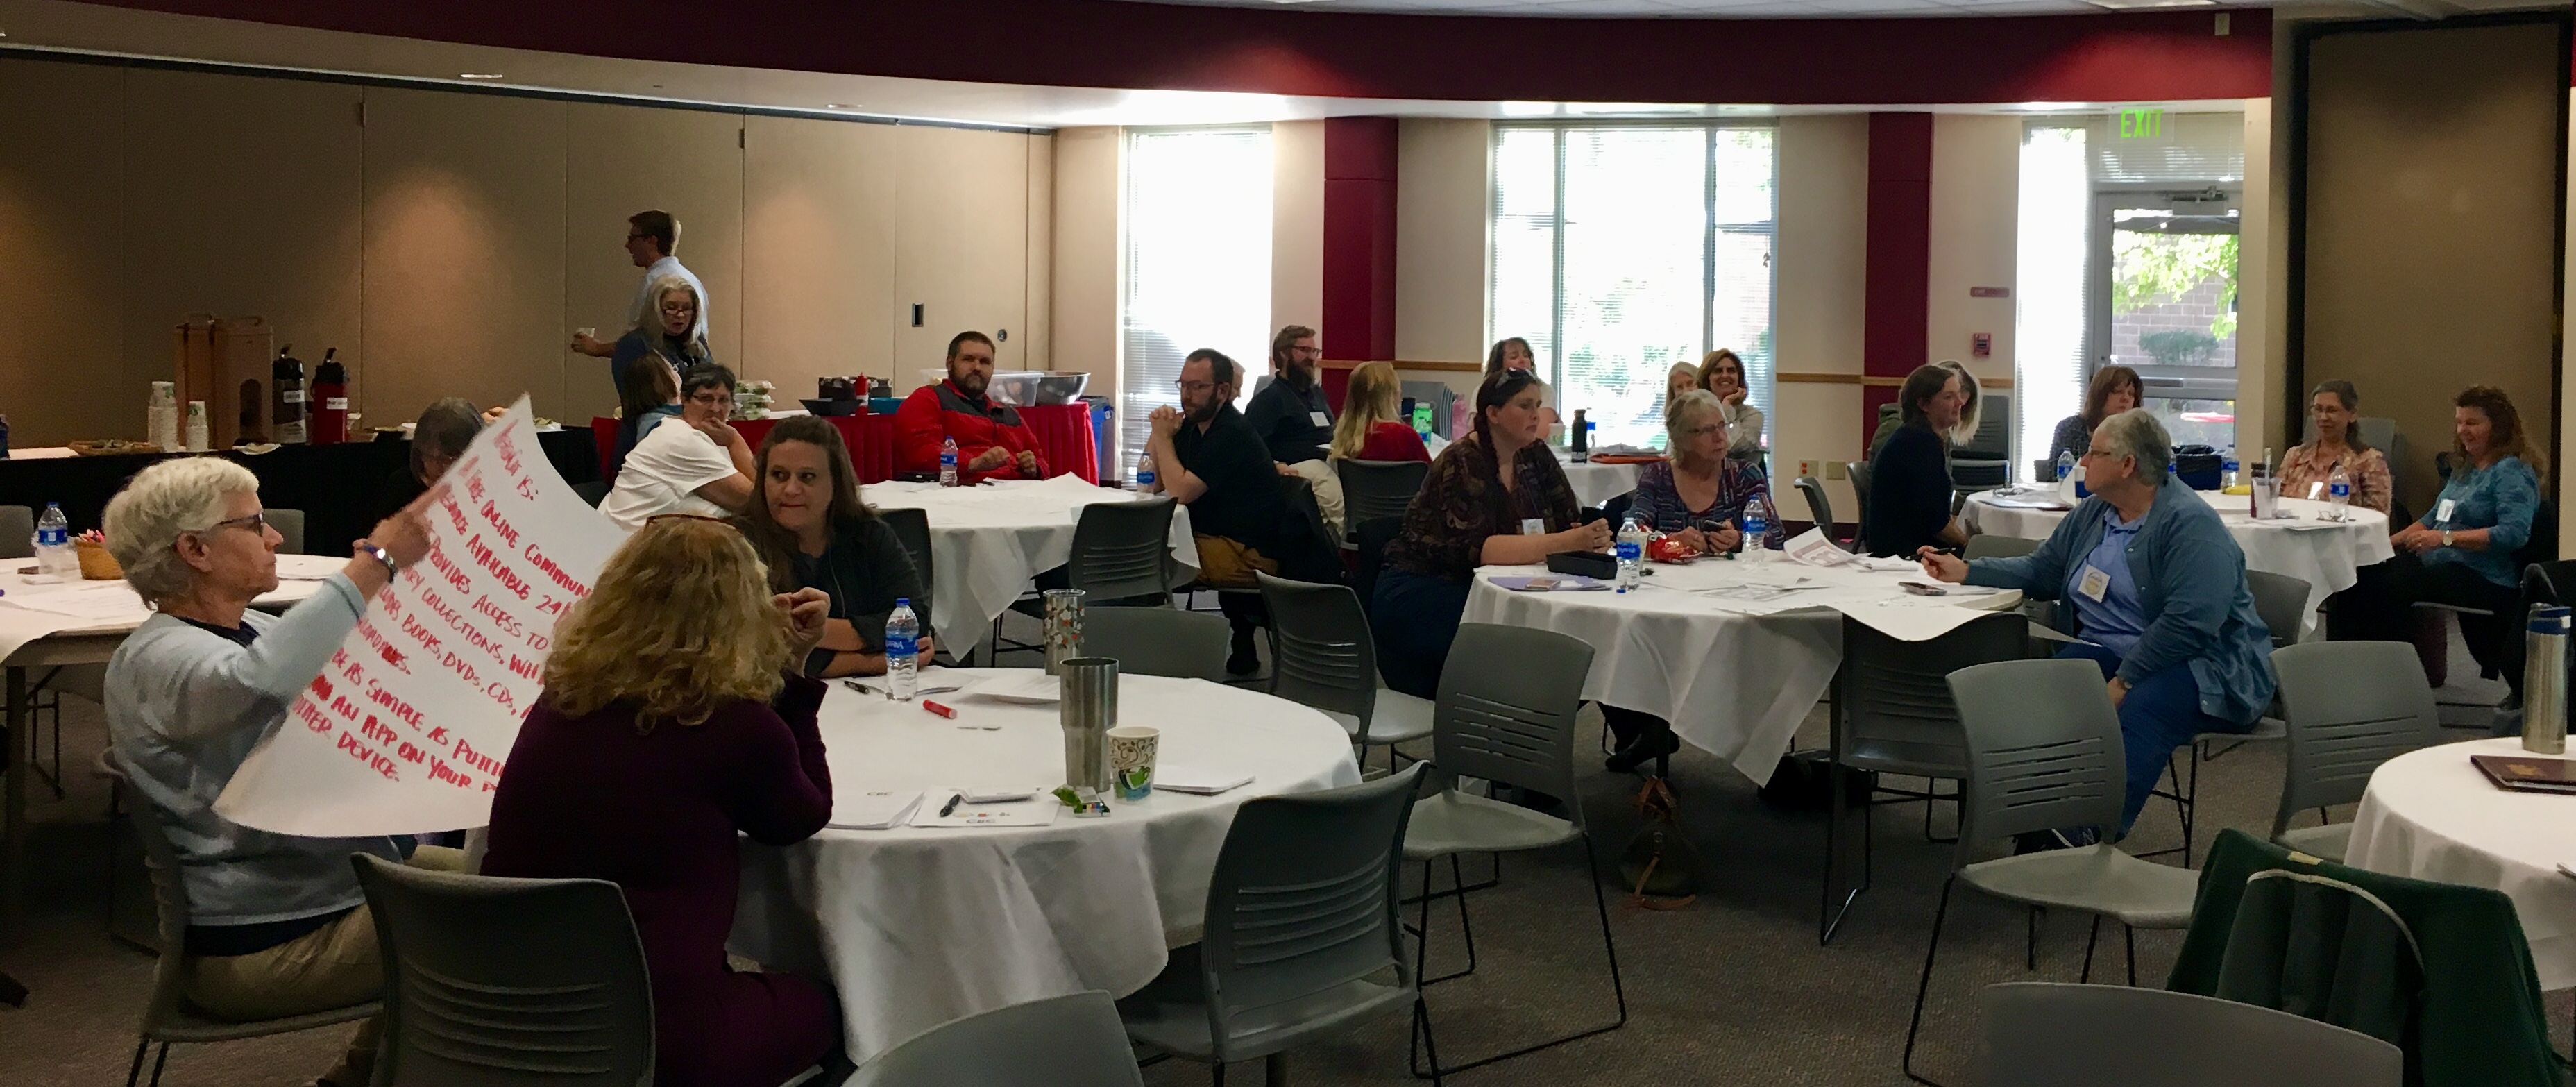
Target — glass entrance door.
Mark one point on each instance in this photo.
(2164, 303)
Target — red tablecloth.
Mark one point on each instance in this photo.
(1063, 432)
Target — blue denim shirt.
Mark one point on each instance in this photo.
(2191, 589)
(2118, 620)
(2501, 498)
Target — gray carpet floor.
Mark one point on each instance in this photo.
(1732, 989)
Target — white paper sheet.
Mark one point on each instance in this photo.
(1036, 812)
(406, 729)
(97, 602)
(873, 810)
(1814, 548)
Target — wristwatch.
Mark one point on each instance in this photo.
(2446, 537)
(369, 548)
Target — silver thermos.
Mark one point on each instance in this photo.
(2544, 681)
(1088, 708)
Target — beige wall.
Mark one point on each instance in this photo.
(1976, 202)
(447, 242)
(1296, 226)
(1084, 330)
(2432, 237)
(2262, 333)
(1822, 261)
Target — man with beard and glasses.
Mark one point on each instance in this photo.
(1295, 419)
(1209, 459)
(992, 441)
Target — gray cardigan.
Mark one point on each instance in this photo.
(2191, 586)
(185, 706)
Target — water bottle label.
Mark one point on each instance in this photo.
(1755, 526)
(901, 645)
(1628, 551)
(53, 537)
(2341, 490)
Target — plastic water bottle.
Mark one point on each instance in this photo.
(1631, 549)
(1756, 522)
(903, 650)
(1145, 472)
(948, 462)
(2339, 492)
(2066, 466)
(2227, 468)
(54, 545)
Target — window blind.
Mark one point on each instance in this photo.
(1198, 224)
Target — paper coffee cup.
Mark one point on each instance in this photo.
(1131, 759)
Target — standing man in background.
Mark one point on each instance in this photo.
(1295, 418)
(652, 240)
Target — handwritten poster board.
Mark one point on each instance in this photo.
(406, 729)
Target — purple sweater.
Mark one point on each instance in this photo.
(658, 813)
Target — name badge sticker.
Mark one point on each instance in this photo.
(1533, 526)
(2093, 584)
(2443, 512)
(1319, 418)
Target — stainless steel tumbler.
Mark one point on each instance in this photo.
(1088, 708)
(2544, 681)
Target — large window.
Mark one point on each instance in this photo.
(2128, 257)
(1620, 250)
(1197, 262)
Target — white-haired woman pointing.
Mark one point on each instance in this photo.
(276, 925)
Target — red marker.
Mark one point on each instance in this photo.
(936, 708)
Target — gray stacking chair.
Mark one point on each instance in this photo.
(290, 527)
(1301, 923)
(491, 980)
(17, 532)
(912, 528)
(1323, 655)
(2044, 752)
(1376, 488)
(1892, 714)
(1508, 697)
(1158, 641)
(2351, 706)
(2198, 1041)
(1121, 553)
(1820, 506)
(2279, 600)
(1063, 1041)
(168, 1017)
(1858, 470)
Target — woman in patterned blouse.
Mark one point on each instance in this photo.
(1699, 482)
(1471, 513)
(2306, 468)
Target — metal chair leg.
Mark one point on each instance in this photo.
(1923, 988)
(2130, 936)
(134, 1071)
(1618, 985)
(2090, 938)
(1274, 1070)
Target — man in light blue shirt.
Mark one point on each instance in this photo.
(652, 242)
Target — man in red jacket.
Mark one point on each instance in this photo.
(992, 442)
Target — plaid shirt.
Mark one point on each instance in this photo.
(1659, 499)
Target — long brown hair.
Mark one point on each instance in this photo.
(777, 545)
(1708, 368)
(678, 624)
(2106, 381)
(2505, 437)
(1494, 358)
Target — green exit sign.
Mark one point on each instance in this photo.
(2142, 124)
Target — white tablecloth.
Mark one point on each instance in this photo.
(1735, 679)
(919, 926)
(29, 609)
(1595, 484)
(987, 542)
(2324, 554)
(2432, 815)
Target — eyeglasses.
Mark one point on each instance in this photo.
(257, 523)
(676, 308)
(1704, 431)
(1195, 386)
(713, 400)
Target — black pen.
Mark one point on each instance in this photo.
(951, 806)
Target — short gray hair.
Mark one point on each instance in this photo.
(444, 430)
(145, 520)
(1679, 411)
(2136, 433)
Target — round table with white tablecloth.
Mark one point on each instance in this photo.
(2326, 554)
(1735, 677)
(916, 926)
(988, 541)
(1594, 483)
(2432, 815)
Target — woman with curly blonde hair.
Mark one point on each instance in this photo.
(673, 722)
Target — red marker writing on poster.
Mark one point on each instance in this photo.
(936, 708)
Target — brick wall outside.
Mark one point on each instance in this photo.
(2193, 311)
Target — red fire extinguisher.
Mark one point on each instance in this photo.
(330, 401)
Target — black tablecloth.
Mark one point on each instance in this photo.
(333, 484)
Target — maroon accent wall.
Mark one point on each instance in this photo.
(1359, 238)
(2122, 56)
(1896, 308)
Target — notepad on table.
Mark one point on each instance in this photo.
(2529, 773)
(1038, 811)
(874, 810)
(1185, 779)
